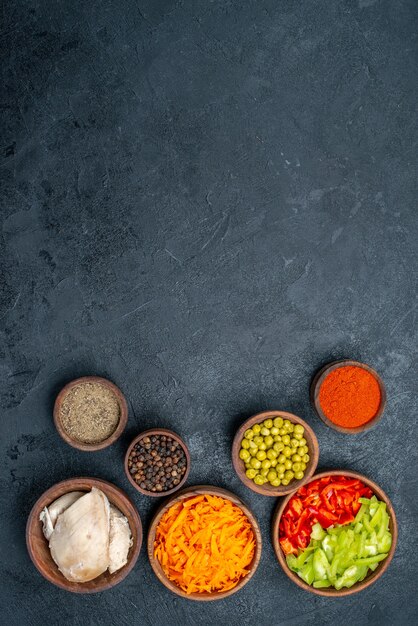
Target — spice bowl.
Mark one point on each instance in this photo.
(268, 489)
(185, 494)
(317, 382)
(372, 576)
(154, 435)
(110, 393)
(37, 544)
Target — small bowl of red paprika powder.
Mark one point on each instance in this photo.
(348, 396)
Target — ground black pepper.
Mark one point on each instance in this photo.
(90, 412)
(157, 463)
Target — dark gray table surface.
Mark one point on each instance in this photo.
(205, 201)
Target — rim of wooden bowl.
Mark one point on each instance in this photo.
(268, 490)
(38, 548)
(371, 576)
(196, 491)
(91, 447)
(158, 431)
(319, 379)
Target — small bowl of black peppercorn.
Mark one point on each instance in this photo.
(157, 462)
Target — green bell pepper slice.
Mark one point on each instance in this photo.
(371, 560)
(321, 584)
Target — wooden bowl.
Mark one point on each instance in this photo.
(319, 379)
(187, 493)
(150, 433)
(38, 546)
(91, 447)
(267, 489)
(371, 576)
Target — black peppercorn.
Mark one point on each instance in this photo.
(157, 463)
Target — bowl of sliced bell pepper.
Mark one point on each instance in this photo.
(336, 535)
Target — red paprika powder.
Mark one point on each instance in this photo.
(350, 396)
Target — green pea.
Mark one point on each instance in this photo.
(277, 438)
(271, 475)
(273, 462)
(297, 436)
(302, 466)
(261, 455)
(274, 431)
(249, 434)
(282, 432)
(264, 431)
(276, 482)
(286, 423)
(278, 422)
(271, 454)
(252, 444)
(287, 451)
(289, 475)
(306, 458)
(244, 455)
(281, 458)
(253, 451)
(301, 450)
(245, 444)
(255, 463)
(278, 446)
(296, 458)
(297, 467)
(262, 446)
(268, 441)
(285, 482)
(299, 429)
(290, 428)
(259, 480)
(286, 440)
(268, 423)
(266, 464)
(302, 442)
(250, 473)
(299, 475)
(256, 428)
(294, 442)
(280, 468)
(288, 464)
(306, 449)
(264, 472)
(258, 439)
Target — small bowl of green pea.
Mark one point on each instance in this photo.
(275, 452)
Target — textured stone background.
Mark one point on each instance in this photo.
(205, 201)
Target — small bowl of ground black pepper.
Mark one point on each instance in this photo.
(90, 413)
(157, 462)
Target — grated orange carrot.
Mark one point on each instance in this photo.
(205, 544)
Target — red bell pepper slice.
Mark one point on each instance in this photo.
(338, 485)
(301, 521)
(302, 541)
(287, 528)
(346, 517)
(326, 500)
(296, 506)
(287, 547)
(325, 518)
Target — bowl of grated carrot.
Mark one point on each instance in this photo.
(204, 543)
